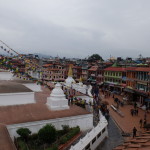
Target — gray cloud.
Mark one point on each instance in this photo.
(77, 28)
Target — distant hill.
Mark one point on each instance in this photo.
(43, 55)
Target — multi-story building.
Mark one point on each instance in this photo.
(92, 74)
(84, 73)
(142, 83)
(53, 72)
(100, 75)
(130, 77)
(138, 81)
(130, 83)
(115, 78)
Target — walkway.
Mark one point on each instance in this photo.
(127, 122)
(114, 137)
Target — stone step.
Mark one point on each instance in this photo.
(134, 145)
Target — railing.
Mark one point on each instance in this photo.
(111, 76)
(94, 137)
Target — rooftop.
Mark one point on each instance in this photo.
(115, 69)
(93, 68)
(147, 69)
(141, 142)
(12, 87)
(35, 112)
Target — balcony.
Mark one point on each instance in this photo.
(143, 93)
(115, 83)
(115, 77)
(93, 75)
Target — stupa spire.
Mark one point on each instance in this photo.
(70, 71)
(80, 80)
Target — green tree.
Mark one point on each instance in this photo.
(95, 57)
(24, 133)
(65, 129)
(47, 134)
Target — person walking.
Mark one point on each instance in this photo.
(134, 132)
(135, 105)
(144, 123)
(132, 112)
(145, 116)
(141, 123)
(113, 96)
(137, 112)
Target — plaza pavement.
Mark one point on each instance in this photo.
(127, 122)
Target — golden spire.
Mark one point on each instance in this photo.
(80, 80)
(70, 71)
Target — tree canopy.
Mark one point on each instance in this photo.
(95, 57)
(24, 133)
(47, 134)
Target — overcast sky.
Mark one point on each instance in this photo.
(77, 28)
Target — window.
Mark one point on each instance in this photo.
(87, 147)
(99, 134)
(103, 130)
(93, 140)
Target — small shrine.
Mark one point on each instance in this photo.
(57, 99)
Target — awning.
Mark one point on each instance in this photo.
(100, 83)
(128, 90)
(124, 85)
(93, 75)
(142, 93)
(147, 100)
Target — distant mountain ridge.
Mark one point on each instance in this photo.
(43, 55)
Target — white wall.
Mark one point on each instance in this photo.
(92, 139)
(84, 121)
(6, 76)
(33, 86)
(34, 74)
(7, 99)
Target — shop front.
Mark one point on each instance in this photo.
(141, 96)
(147, 102)
(129, 94)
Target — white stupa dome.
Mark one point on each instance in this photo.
(80, 83)
(69, 81)
(57, 91)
